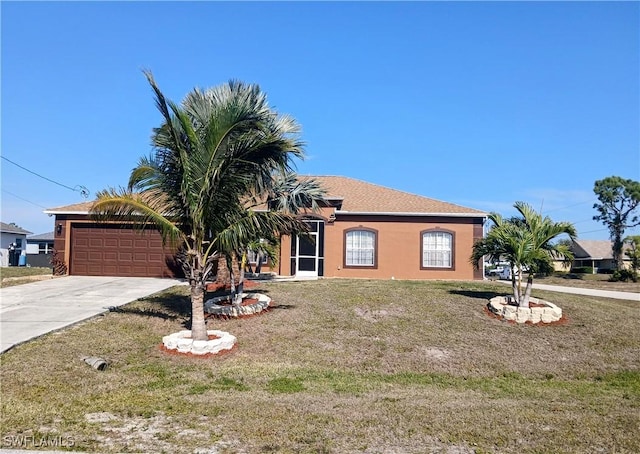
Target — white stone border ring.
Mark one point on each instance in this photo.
(183, 343)
(548, 313)
(212, 307)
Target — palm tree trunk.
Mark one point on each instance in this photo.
(259, 256)
(524, 302)
(514, 289)
(198, 324)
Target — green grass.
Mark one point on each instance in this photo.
(339, 366)
(23, 271)
(19, 275)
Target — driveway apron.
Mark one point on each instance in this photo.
(31, 310)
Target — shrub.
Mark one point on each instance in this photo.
(623, 276)
(582, 270)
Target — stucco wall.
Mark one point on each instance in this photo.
(399, 242)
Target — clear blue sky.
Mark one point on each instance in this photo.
(476, 103)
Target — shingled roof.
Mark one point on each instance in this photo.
(76, 208)
(363, 197)
(357, 197)
(594, 249)
(8, 228)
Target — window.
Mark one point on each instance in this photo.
(18, 243)
(45, 248)
(360, 248)
(437, 249)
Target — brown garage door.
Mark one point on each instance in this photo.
(104, 250)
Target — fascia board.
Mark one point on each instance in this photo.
(384, 213)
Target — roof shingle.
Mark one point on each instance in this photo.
(363, 197)
(358, 197)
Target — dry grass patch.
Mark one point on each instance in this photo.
(13, 275)
(340, 366)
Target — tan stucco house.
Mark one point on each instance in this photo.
(363, 230)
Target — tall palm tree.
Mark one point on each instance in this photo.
(526, 242)
(214, 157)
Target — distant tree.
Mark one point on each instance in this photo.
(619, 200)
(526, 242)
(633, 252)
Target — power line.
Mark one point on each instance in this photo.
(22, 198)
(569, 206)
(78, 188)
(592, 231)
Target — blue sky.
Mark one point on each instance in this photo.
(476, 103)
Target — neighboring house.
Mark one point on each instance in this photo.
(597, 254)
(40, 250)
(12, 244)
(362, 231)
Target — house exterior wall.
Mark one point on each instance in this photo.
(399, 240)
(399, 251)
(6, 238)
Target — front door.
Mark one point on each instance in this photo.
(307, 251)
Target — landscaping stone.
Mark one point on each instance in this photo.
(219, 305)
(183, 343)
(502, 306)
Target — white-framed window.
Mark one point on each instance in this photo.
(437, 249)
(360, 248)
(45, 248)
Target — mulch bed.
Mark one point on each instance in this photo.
(217, 287)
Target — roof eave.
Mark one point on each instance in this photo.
(401, 213)
(50, 212)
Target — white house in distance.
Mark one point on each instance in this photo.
(40, 249)
(13, 240)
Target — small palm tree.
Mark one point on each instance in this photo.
(526, 242)
(215, 155)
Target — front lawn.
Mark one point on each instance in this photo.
(18, 275)
(338, 366)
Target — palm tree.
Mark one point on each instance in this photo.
(215, 156)
(288, 195)
(526, 242)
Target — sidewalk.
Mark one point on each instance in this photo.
(583, 291)
(31, 310)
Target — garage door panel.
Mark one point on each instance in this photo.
(141, 257)
(96, 242)
(95, 256)
(109, 270)
(141, 243)
(97, 250)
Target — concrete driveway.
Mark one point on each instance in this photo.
(31, 310)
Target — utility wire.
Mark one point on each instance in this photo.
(81, 189)
(22, 198)
(569, 206)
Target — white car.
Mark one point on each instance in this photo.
(503, 272)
